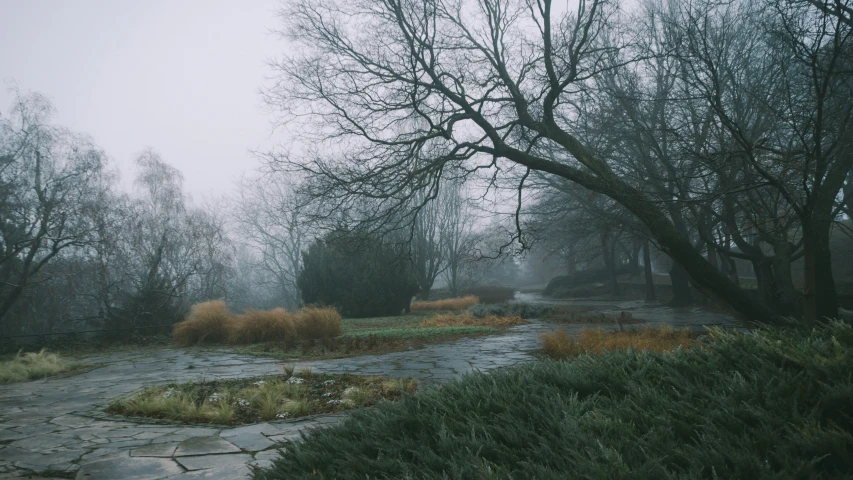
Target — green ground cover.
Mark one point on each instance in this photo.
(773, 404)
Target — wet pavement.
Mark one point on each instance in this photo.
(57, 426)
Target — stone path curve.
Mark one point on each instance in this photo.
(54, 425)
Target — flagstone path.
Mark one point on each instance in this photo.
(56, 426)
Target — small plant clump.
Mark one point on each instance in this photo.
(208, 322)
(559, 344)
(459, 303)
(237, 402)
(34, 365)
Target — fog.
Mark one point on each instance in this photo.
(181, 77)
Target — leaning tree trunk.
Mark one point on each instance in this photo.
(670, 240)
(647, 269)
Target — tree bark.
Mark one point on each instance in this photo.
(608, 253)
(680, 285)
(647, 268)
(820, 300)
(634, 260)
(788, 299)
(712, 255)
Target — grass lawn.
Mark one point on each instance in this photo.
(252, 400)
(362, 336)
(768, 405)
(34, 365)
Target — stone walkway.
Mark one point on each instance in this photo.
(56, 425)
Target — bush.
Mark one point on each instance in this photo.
(256, 326)
(316, 323)
(491, 293)
(769, 405)
(208, 322)
(358, 274)
(459, 303)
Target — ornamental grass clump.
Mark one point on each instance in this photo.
(459, 303)
(32, 365)
(256, 326)
(764, 405)
(318, 323)
(207, 323)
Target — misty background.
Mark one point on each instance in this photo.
(180, 77)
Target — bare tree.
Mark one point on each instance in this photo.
(490, 83)
(458, 238)
(49, 181)
(270, 217)
(777, 78)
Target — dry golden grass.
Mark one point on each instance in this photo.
(459, 303)
(256, 326)
(208, 322)
(468, 320)
(560, 344)
(315, 323)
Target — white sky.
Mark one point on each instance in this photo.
(180, 76)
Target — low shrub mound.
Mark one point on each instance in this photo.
(766, 405)
(318, 323)
(256, 326)
(468, 320)
(34, 365)
(559, 344)
(491, 293)
(459, 303)
(252, 400)
(207, 323)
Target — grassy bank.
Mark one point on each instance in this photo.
(776, 404)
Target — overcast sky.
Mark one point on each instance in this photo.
(180, 76)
